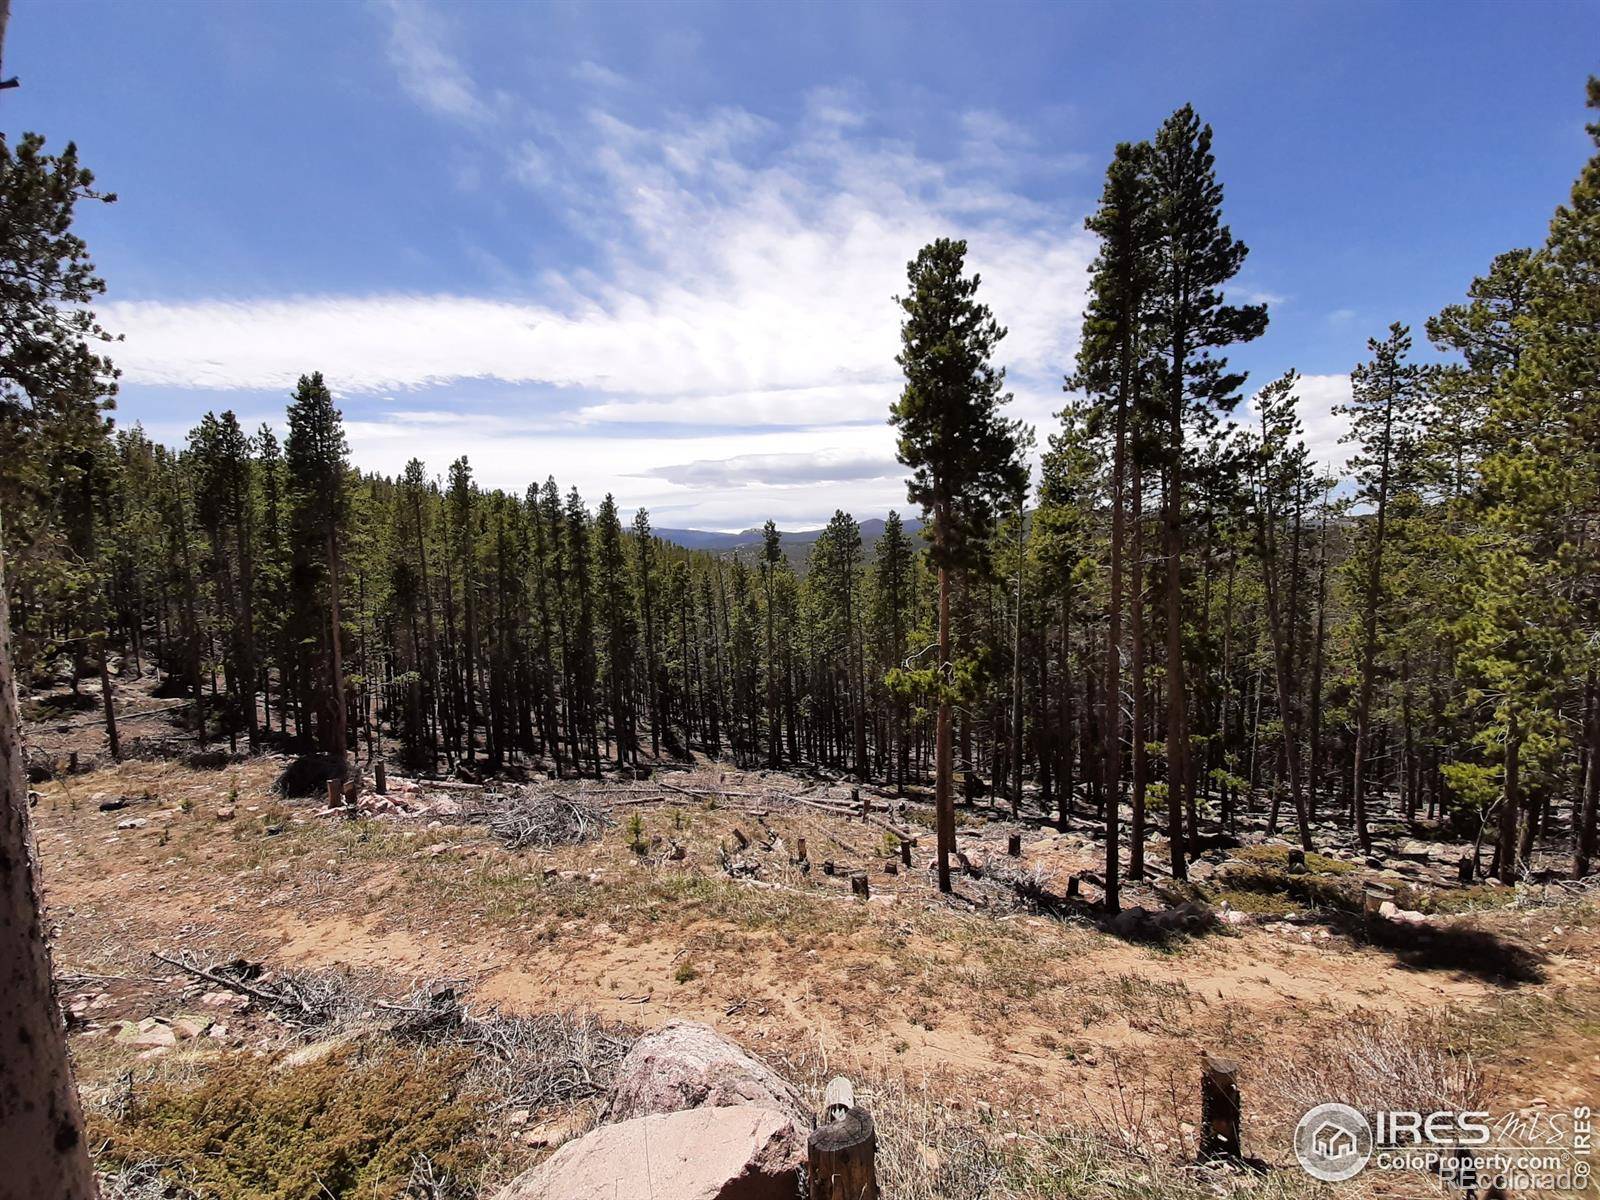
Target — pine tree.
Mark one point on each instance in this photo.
(1113, 366)
(962, 453)
(1387, 398)
(316, 457)
(1196, 256)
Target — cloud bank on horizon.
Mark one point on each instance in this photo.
(727, 352)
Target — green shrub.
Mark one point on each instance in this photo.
(350, 1125)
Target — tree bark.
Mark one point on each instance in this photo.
(41, 1126)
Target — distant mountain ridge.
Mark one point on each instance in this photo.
(796, 543)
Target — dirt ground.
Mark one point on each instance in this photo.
(1038, 1016)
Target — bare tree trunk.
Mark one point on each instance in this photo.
(113, 742)
(1016, 679)
(336, 705)
(1510, 803)
(41, 1127)
(1141, 696)
(1583, 827)
(943, 802)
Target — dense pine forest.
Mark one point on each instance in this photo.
(1177, 623)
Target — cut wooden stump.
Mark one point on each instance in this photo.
(380, 779)
(1220, 1108)
(905, 851)
(842, 1158)
(1014, 845)
(859, 885)
(1373, 897)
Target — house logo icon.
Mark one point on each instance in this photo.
(1333, 1142)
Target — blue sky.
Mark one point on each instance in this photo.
(650, 248)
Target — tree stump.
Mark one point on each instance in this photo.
(842, 1159)
(380, 779)
(905, 852)
(1374, 896)
(1464, 870)
(859, 885)
(335, 793)
(800, 850)
(1014, 845)
(1220, 1108)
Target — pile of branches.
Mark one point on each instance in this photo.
(545, 818)
(534, 1062)
(307, 999)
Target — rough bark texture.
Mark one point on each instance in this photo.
(41, 1128)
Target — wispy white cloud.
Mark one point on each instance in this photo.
(732, 290)
(429, 73)
(831, 465)
(740, 275)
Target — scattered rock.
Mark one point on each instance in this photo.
(109, 803)
(730, 1153)
(1393, 912)
(150, 1032)
(190, 1025)
(688, 1065)
(225, 813)
(133, 823)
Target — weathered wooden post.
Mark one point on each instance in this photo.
(1220, 1108)
(842, 1152)
(380, 778)
(1014, 845)
(859, 885)
(905, 852)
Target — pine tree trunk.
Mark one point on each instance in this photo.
(1177, 723)
(339, 735)
(1584, 826)
(113, 742)
(1369, 642)
(1510, 803)
(41, 1126)
(943, 801)
(1141, 695)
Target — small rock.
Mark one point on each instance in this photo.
(225, 813)
(133, 823)
(190, 1025)
(153, 1032)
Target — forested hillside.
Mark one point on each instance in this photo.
(1181, 612)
